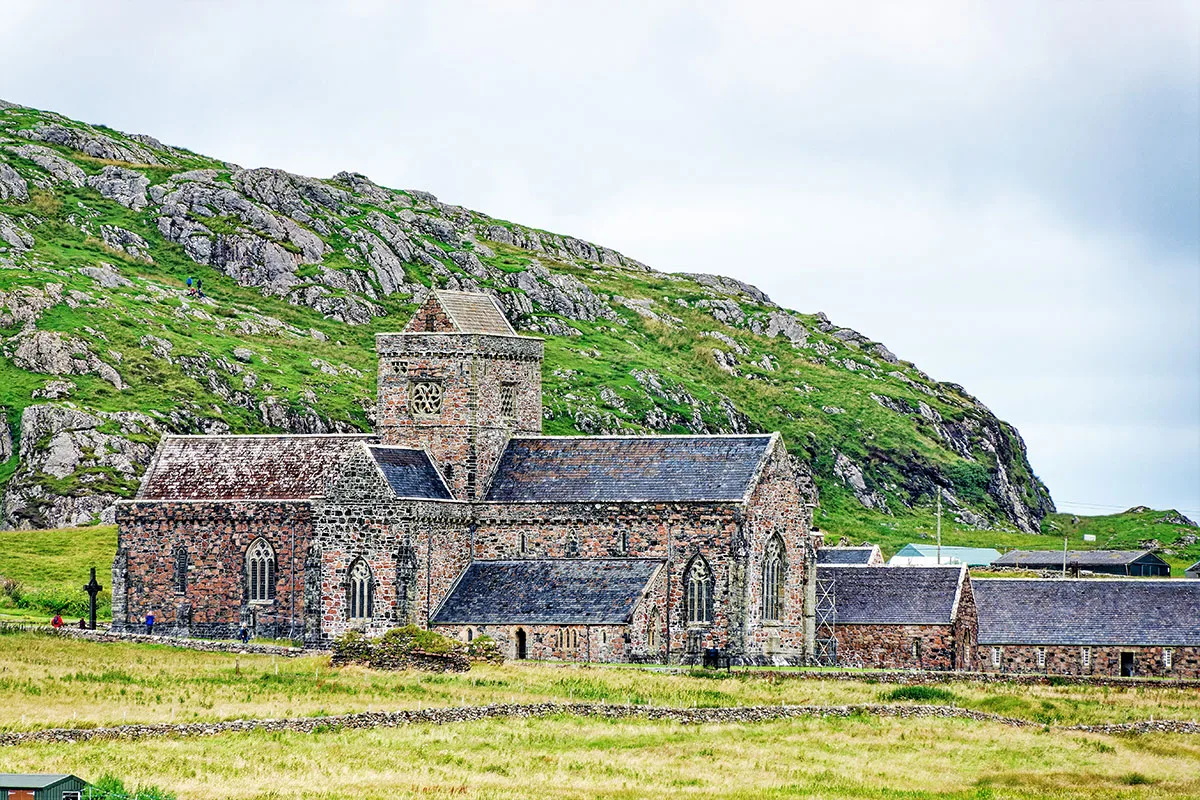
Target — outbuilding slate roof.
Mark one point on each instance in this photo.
(1112, 611)
(844, 556)
(475, 312)
(32, 781)
(1080, 558)
(615, 469)
(548, 592)
(410, 473)
(894, 595)
(245, 467)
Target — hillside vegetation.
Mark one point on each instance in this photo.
(104, 349)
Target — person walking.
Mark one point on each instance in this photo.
(150, 624)
(244, 635)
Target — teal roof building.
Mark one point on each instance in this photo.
(971, 556)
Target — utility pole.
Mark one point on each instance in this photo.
(1064, 572)
(939, 525)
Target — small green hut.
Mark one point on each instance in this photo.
(41, 787)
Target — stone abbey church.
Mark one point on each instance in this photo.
(458, 515)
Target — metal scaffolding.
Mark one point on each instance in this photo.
(826, 607)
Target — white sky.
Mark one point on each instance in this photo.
(1007, 194)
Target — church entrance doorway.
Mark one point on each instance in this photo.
(520, 645)
(1126, 665)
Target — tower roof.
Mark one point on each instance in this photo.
(467, 312)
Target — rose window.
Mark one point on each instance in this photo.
(426, 399)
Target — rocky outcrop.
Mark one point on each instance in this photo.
(13, 235)
(58, 167)
(127, 242)
(12, 186)
(58, 354)
(73, 463)
(91, 142)
(125, 186)
(851, 476)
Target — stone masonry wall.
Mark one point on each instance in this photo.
(891, 646)
(1105, 660)
(776, 507)
(674, 532)
(216, 535)
(468, 435)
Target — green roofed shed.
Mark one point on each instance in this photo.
(41, 787)
(971, 556)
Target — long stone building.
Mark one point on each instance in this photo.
(457, 514)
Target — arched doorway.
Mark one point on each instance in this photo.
(520, 645)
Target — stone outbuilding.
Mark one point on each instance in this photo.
(1127, 563)
(902, 617)
(458, 514)
(1099, 626)
(1193, 571)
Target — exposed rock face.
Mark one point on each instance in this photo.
(852, 476)
(13, 235)
(59, 168)
(91, 142)
(57, 354)
(73, 443)
(106, 276)
(126, 186)
(12, 185)
(27, 303)
(126, 242)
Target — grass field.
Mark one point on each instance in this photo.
(51, 568)
(49, 681)
(569, 757)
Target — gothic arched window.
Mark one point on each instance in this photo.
(260, 571)
(361, 590)
(774, 578)
(697, 583)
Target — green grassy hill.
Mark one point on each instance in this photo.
(104, 349)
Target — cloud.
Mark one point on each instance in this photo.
(1008, 195)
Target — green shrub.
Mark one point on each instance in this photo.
(401, 641)
(112, 788)
(484, 648)
(921, 694)
(351, 647)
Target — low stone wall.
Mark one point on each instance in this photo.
(204, 645)
(445, 716)
(930, 677)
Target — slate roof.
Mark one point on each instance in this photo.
(628, 469)
(475, 312)
(1194, 568)
(1112, 611)
(1080, 558)
(245, 467)
(894, 595)
(548, 592)
(844, 556)
(410, 473)
(971, 556)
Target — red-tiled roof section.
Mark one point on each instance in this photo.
(475, 312)
(245, 467)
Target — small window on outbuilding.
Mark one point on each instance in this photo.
(1085, 657)
(1167, 658)
(916, 648)
(470, 635)
(1041, 657)
(996, 653)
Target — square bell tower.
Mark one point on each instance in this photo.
(459, 381)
